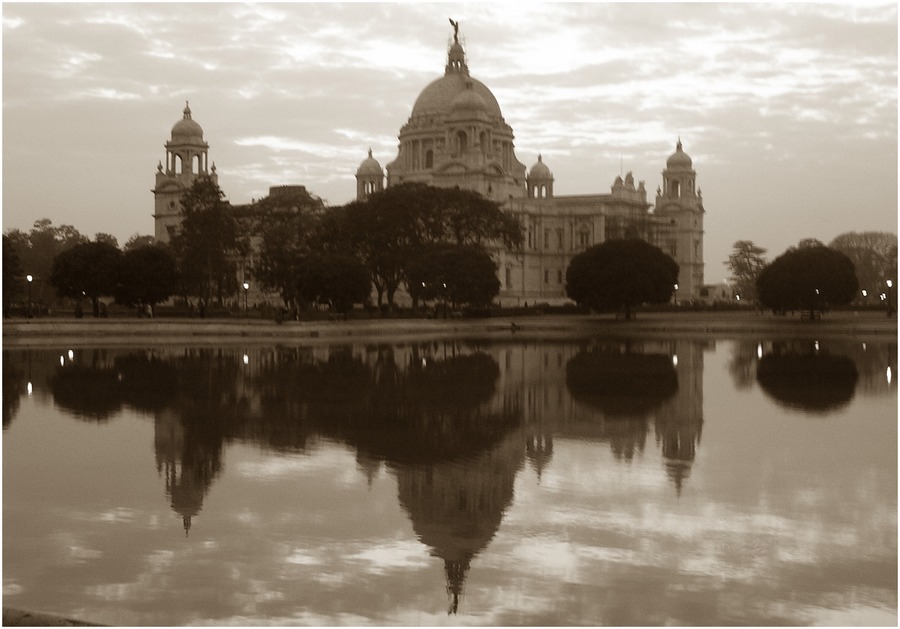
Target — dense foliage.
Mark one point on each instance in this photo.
(808, 278)
(208, 243)
(621, 273)
(89, 269)
(148, 276)
(744, 264)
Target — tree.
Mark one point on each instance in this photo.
(39, 247)
(148, 275)
(621, 273)
(807, 278)
(89, 269)
(107, 238)
(874, 254)
(337, 280)
(207, 242)
(460, 274)
(136, 241)
(13, 275)
(745, 263)
(284, 225)
(391, 227)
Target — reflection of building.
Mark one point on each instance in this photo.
(534, 376)
(456, 136)
(456, 507)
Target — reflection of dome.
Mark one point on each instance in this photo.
(679, 159)
(456, 507)
(186, 129)
(369, 166)
(436, 99)
(540, 170)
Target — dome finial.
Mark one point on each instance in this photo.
(370, 151)
(187, 109)
(455, 26)
(678, 146)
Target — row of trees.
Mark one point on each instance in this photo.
(873, 255)
(431, 240)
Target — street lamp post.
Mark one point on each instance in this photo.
(675, 295)
(246, 288)
(30, 279)
(890, 304)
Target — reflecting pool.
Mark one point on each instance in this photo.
(597, 482)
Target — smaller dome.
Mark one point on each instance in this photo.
(370, 166)
(468, 101)
(540, 170)
(186, 128)
(679, 159)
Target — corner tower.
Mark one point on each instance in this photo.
(186, 159)
(369, 177)
(680, 203)
(456, 136)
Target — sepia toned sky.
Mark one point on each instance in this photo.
(788, 110)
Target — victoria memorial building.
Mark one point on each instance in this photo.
(456, 136)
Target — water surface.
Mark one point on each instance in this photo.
(458, 482)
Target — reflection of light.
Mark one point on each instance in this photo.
(759, 351)
(424, 361)
(674, 360)
(246, 359)
(864, 347)
(30, 389)
(62, 361)
(817, 345)
(71, 355)
(889, 374)
(864, 293)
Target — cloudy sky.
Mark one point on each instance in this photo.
(789, 111)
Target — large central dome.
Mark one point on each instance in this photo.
(435, 99)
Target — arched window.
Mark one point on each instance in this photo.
(462, 141)
(178, 165)
(429, 159)
(676, 189)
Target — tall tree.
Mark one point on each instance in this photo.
(13, 276)
(745, 262)
(336, 280)
(208, 242)
(107, 238)
(89, 269)
(284, 225)
(38, 248)
(621, 273)
(148, 275)
(874, 254)
(808, 278)
(391, 227)
(136, 241)
(459, 274)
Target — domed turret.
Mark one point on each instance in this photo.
(369, 166)
(540, 180)
(369, 177)
(679, 159)
(187, 129)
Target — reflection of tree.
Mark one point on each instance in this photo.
(626, 387)
(13, 385)
(621, 384)
(89, 391)
(743, 357)
(800, 377)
